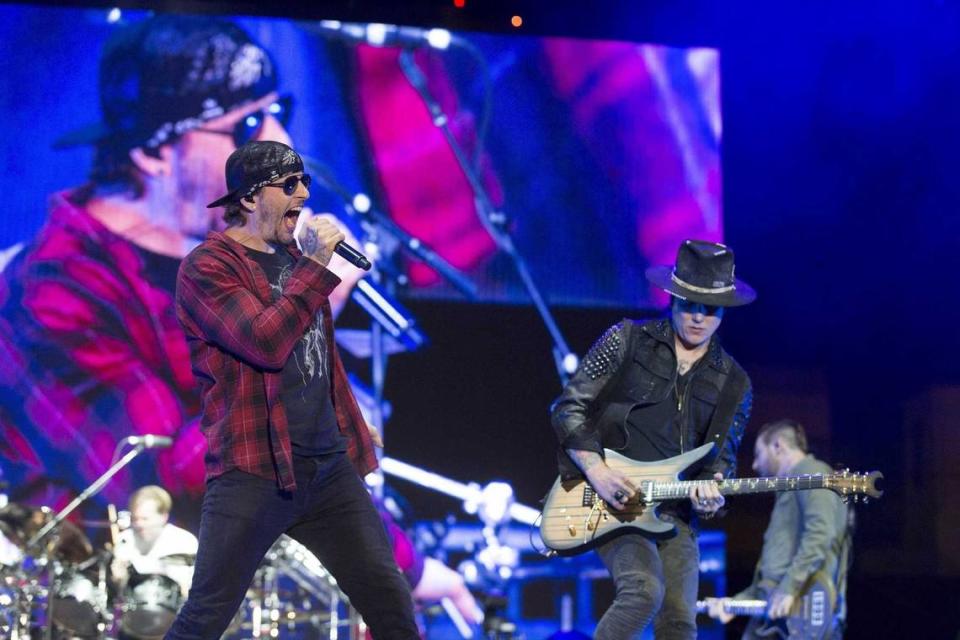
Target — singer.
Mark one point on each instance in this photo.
(287, 445)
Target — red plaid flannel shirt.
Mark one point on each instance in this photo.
(239, 340)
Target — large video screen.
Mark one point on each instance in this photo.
(599, 155)
(592, 159)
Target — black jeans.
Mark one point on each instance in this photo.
(331, 514)
(653, 581)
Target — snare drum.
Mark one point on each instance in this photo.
(77, 604)
(150, 605)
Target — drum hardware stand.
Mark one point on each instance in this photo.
(89, 492)
(287, 559)
(493, 505)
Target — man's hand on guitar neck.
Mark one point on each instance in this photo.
(706, 497)
(780, 605)
(610, 484)
(716, 609)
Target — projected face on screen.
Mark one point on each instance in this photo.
(601, 156)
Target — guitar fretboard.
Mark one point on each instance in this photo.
(738, 607)
(738, 486)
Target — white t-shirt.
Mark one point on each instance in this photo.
(172, 541)
(9, 553)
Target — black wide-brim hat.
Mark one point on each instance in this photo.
(704, 272)
(254, 165)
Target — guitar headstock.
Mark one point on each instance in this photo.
(854, 485)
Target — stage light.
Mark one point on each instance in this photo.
(439, 38)
(114, 15)
(376, 34)
(459, 4)
(516, 21)
(495, 501)
(361, 203)
(570, 363)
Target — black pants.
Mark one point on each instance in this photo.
(330, 513)
(654, 581)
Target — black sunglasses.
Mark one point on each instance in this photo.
(289, 185)
(694, 307)
(249, 126)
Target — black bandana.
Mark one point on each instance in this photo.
(169, 74)
(256, 164)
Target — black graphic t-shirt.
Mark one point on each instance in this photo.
(306, 374)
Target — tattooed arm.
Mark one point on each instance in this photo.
(318, 237)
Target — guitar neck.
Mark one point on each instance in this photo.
(738, 607)
(740, 486)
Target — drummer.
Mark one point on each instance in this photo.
(152, 545)
(9, 551)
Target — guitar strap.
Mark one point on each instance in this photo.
(731, 390)
(844, 557)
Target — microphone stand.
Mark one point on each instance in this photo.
(89, 492)
(493, 220)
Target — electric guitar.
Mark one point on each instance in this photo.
(575, 518)
(811, 617)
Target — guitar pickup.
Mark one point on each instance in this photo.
(589, 496)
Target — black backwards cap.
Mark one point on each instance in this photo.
(254, 165)
(168, 74)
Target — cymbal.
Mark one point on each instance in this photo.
(68, 542)
(72, 543)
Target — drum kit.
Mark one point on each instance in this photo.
(293, 596)
(65, 591)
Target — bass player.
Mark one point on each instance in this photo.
(806, 541)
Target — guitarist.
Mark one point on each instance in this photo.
(807, 534)
(651, 391)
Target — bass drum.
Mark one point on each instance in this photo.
(76, 604)
(150, 605)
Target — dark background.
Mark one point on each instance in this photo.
(840, 145)
(840, 200)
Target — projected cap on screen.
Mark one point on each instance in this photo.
(166, 75)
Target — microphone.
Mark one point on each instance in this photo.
(150, 441)
(386, 35)
(342, 249)
(352, 256)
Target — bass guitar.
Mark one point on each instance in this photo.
(810, 618)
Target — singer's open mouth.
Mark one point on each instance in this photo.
(290, 219)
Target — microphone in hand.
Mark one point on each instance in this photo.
(342, 249)
(352, 256)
